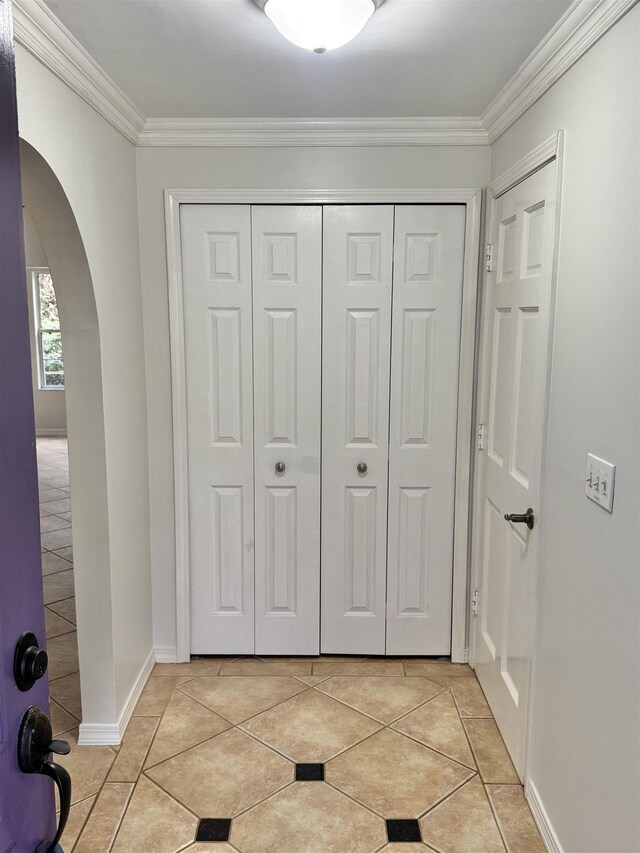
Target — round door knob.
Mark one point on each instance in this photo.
(361, 467)
(280, 467)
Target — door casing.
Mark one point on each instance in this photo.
(472, 199)
(550, 150)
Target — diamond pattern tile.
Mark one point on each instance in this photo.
(154, 822)
(463, 823)
(223, 776)
(203, 774)
(395, 776)
(185, 723)
(438, 726)
(384, 698)
(306, 817)
(236, 698)
(311, 727)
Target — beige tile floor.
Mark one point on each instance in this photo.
(220, 738)
(57, 571)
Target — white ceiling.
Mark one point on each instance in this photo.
(224, 58)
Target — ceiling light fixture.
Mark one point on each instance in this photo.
(319, 25)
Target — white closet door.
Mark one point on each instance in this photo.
(427, 300)
(216, 260)
(358, 250)
(287, 279)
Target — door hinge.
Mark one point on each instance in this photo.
(488, 257)
(475, 601)
(482, 432)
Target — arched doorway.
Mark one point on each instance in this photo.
(54, 219)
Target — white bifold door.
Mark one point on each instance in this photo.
(321, 357)
(252, 290)
(392, 288)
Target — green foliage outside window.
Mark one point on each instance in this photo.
(49, 336)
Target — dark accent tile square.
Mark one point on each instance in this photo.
(309, 772)
(213, 829)
(403, 830)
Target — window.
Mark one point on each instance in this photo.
(48, 336)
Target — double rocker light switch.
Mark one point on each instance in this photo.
(600, 481)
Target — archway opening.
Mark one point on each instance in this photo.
(85, 692)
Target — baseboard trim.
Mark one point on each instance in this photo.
(99, 734)
(136, 690)
(166, 654)
(541, 818)
(111, 734)
(42, 432)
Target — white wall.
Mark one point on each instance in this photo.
(49, 405)
(96, 168)
(254, 168)
(585, 736)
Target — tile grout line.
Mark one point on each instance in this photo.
(382, 722)
(305, 689)
(495, 817)
(120, 822)
(126, 808)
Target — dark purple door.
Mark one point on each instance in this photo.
(26, 801)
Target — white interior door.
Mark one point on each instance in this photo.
(287, 280)
(216, 267)
(358, 259)
(516, 342)
(425, 356)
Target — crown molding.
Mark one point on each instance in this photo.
(580, 27)
(271, 132)
(40, 32)
(262, 3)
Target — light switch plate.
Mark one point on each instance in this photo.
(600, 481)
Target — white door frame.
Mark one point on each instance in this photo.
(548, 151)
(472, 198)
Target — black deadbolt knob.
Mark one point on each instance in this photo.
(29, 662)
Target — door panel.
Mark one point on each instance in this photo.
(26, 801)
(515, 342)
(357, 272)
(427, 302)
(216, 253)
(287, 265)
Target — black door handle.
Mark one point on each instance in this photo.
(527, 518)
(62, 779)
(35, 742)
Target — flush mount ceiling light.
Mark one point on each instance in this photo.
(319, 25)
